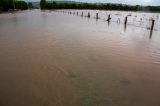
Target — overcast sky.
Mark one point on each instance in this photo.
(133, 2)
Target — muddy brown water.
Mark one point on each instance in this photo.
(49, 58)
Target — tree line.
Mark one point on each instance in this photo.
(100, 6)
(5, 5)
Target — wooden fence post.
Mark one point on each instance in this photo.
(89, 15)
(152, 26)
(96, 15)
(126, 20)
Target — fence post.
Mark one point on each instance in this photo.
(126, 20)
(152, 26)
(88, 14)
(153, 21)
(96, 15)
(109, 18)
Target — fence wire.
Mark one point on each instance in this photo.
(136, 19)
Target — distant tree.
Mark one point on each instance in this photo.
(5, 5)
(54, 5)
(101, 6)
(21, 5)
(43, 4)
(30, 5)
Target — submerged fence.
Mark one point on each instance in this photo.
(149, 21)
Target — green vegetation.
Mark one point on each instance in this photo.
(43, 4)
(100, 6)
(5, 5)
(30, 5)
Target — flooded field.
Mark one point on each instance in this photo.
(54, 58)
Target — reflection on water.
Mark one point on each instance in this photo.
(49, 58)
(151, 32)
(125, 27)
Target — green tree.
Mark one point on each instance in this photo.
(101, 6)
(5, 5)
(43, 4)
(30, 5)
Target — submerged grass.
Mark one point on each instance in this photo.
(90, 90)
(98, 82)
(83, 92)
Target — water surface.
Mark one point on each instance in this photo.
(50, 58)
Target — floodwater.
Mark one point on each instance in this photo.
(50, 58)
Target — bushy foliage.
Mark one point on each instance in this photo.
(100, 6)
(5, 5)
(21, 5)
(30, 5)
(43, 4)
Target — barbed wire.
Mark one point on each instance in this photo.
(142, 22)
